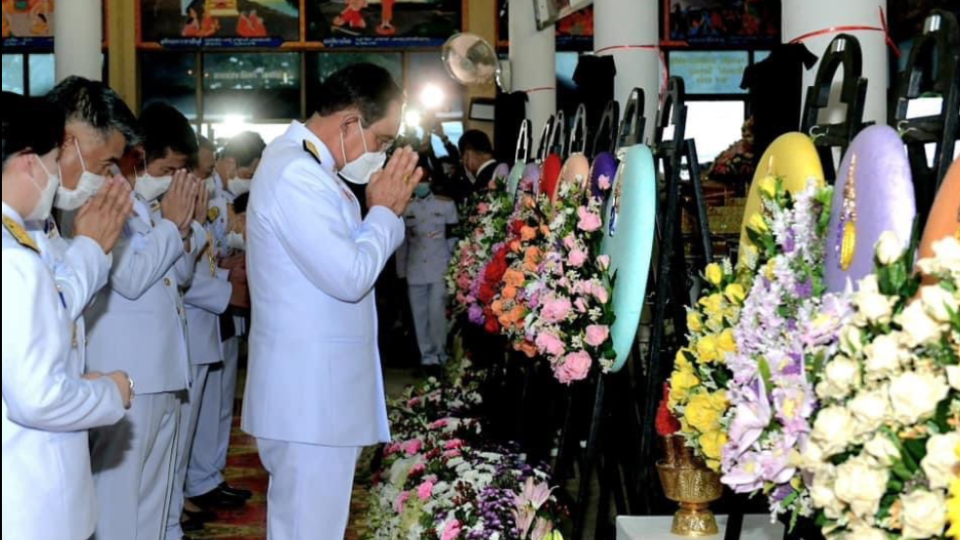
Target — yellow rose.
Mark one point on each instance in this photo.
(707, 351)
(758, 224)
(712, 305)
(768, 187)
(712, 443)
(726, 342)
(735, 293)
(682, 362)
(953, 506)
(705, 411)
(714, 273)
(694, 322)
(681, 382)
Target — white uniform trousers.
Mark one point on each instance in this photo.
(189, 413)
(310, 489)
(429, 306)
(133, 465)
(208, 458)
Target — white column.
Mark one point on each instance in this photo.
(629, 30)
(533, 64)
(803, 17)
(78, 38)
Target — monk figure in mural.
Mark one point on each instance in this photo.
(386, 25)
(352, 16)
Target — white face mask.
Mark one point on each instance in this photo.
(236, 242)
(152, 188)
(361, 169)
(211, 185)
(45, 203)
(239, 186)
(88, 186)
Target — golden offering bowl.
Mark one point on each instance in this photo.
(694, 488)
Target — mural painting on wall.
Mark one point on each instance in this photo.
(27, 23)
(219, 23)
(574, 32)
(728, 22)
(383, 23)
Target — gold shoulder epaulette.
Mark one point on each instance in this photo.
(312, 149)
(19, 234)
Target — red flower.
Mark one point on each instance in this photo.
(517, 227)
(493, 325)
(666, 423)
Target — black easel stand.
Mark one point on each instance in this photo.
(933, 68)
(844, 51)
(671, 295)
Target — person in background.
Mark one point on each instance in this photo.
(315, 392)
(206, 488)
(479, 164)
(203, 169)
(138, 323)
(47, 403)
(238, 162)
(423, 260)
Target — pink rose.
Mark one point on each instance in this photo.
(570, 242)
(418, 469)
(483, 208)
(401, 501)
(453, 444)
(412, 447)
(589, 222)
(577, 258)
(604, 262)
(450, 454)
(451, 531)
(463, 282)
(597, 335)
(556, 310)
(581, 305)
(391, 449)
(563, 282)
(439, 424)
(413, 402)
(575, 367)
(601, 293)
(550, 344)
(604, 182)
(425, 491)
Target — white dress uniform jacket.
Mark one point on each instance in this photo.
(314, 374)
(138, 324)
(48, 489)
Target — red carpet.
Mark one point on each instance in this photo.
(249, 523)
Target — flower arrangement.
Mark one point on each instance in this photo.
(700, 378)
(484, 233)
(439, 481)
(787, 328)
(883, 451)
(953, 506)
(571, 314)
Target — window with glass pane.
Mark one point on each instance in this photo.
(13, 73)
(327, 64)
(251, 86)
(170, 78)
(43, 73)
(715, 125)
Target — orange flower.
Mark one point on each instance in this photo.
(513, 278)
(497, 307)
(509, 292)
(528, 233)
(518, 313)
(515, 246)
(529, 349)
(531, 259)
(529, 202)
(544, 230)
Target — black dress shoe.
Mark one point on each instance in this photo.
(244, 494)
(191, 524)
(218, 500)
(204, 516)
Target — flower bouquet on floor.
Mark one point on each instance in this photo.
(570, 317)
(788, 327)
(883, 451)
(484, 233)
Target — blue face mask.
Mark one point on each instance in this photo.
(422, 190)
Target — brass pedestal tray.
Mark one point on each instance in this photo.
(689, 482)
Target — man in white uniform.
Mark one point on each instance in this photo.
(138, 323)
(314, 394)
(47, 403)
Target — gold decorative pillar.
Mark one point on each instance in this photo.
(122, 24)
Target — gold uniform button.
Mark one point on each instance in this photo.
(166, 281)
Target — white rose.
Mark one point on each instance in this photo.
(822, 494)
(884, 357)
(851, 341)
(812, 458)
(947, 253)
(953, 375)
(864, 532)
(942, 464)
(883, 450)
(924, 514)
(861, 484)
(841, 376)
(870, 410)
(871, 305)
(889, 248)
(915, 396)
(918, 327)
(938, 302)
(833, 430)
